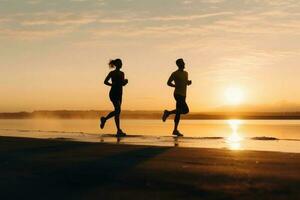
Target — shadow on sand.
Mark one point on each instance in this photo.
(49, 169)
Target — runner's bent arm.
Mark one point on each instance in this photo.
(125, 81)
(189, 82)
(170, 81)
(106, 81)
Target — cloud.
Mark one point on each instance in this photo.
(54, 21)
(72, 18)
(186, 17)
(168, 18)
(120, 23)
(186, 2)
(42, 25)
(34, 2)
(212, 1)
(4, 20)
(275, 2)
(33, 34)
(263, 23)
(57, 19)
(243, 24)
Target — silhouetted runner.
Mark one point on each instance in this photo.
(118, 80)
(179, 80)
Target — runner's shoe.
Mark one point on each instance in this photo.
(165, 115)
(102, 122)
(120, 133)
(177, 133)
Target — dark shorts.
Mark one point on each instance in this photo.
(115, 96)
(181, 105)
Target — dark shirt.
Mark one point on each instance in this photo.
(117, 79)
(181, 81)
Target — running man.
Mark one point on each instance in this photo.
(179, 80)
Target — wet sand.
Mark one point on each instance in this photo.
(48, 169)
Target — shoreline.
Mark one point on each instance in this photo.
(259, 144)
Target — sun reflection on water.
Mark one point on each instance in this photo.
(234, 140)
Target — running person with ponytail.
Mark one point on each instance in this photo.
(117, 82)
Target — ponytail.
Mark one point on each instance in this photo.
(111, 64)
(115, 63)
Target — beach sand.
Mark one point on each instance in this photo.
(48, 169)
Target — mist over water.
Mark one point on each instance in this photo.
(270, 135)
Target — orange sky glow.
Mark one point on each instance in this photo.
(54, 54)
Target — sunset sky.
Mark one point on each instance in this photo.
(54, 53)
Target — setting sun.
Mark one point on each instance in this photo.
(234, 95)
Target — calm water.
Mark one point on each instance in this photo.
(268, 135)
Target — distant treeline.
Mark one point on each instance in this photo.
(94, 114)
